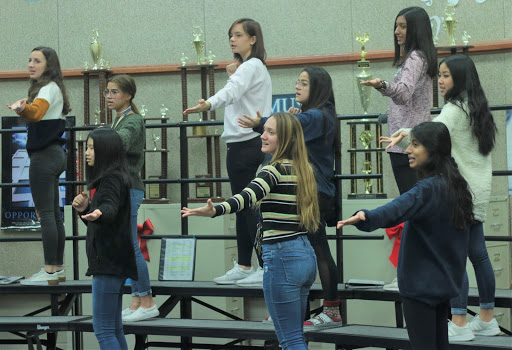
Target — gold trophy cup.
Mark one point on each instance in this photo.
(198, 43)
(363, 64)
(450, 23)
(95, 48)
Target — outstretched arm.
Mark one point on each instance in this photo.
(206, 211)
(352, 220)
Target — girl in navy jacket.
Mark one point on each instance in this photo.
(437, 212)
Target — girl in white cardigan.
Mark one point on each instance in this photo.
(473, 133)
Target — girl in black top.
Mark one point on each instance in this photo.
(109, 243)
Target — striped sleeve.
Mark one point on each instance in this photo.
(267, 179)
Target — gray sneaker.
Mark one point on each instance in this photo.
(233, 275)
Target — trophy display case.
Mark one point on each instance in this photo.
(367, 164)
(213, 168)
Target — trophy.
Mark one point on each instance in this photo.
(198, 43)
(366, 138)
(465, 38)
(210, 57)
(199, 130)
(95, 48)
(156, 138)
(450, 23)
(363, 64)
(143, 111)
(97, 117)
(163, 110)
(183, 59)
(86, 66)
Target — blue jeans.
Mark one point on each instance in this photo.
(289, 271)
(107, 301)
(142, 286)
(484, 273)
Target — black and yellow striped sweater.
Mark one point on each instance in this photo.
(276, 187)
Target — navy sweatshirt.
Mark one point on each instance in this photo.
(433, 253)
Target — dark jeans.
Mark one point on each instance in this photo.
(242, 162)
(427, 325)
(326, 265)
(46, 165)
(405, 176)
(484, 273)
(107, 303)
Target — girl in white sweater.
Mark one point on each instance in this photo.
(248, 90)
(473, 133)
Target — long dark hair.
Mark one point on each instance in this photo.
(435, 137)
(109, 157)
(51, 73)
(252, 28)
(466, 84)
(126, 84)
(418, 37)
(320, 93)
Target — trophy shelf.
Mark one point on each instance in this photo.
(157, 193)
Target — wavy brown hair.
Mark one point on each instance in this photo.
(52, 72)
(252, 28)
(291, 147)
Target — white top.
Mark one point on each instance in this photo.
(248, 90)
(473, 165)
(53, 95)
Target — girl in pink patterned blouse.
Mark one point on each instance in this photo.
(411, 89)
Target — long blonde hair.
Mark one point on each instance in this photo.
(291, 146)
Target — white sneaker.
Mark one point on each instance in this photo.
(480, 327)
(268, 320)
(456, 333)
(233, 275)
(392, 286)
(127, 312)
(142, 314)
(41, 278)
(254, 280)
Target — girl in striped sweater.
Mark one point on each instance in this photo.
(286, 192)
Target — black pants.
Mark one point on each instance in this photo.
(242, 162)
(405, 176)
(326, 266)
(46, 165)
(427, 325)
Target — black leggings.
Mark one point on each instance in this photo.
(242, 162)
(427, 325)
(405, 176)
(46, 165)
(326, 265)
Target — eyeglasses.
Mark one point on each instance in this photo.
(112, 92)
(301, 84)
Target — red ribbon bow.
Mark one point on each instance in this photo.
(396, 233)
(145, 229)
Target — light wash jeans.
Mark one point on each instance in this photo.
(484, 273)
(142, 286)
(107, 303)
(289, 271)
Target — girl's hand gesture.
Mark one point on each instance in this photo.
(352, 220)
(231, 68)
(92, 216)
(246, 121)
(203, 106)
(81, 202)
(18, 106)
(294, 110)
(375, 83)
(207, 211)
(393, 140)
